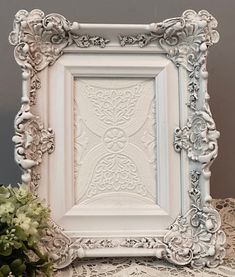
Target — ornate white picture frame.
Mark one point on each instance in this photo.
(155, 72)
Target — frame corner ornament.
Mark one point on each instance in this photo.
(186, 40)
(40, 39)
(194, 238)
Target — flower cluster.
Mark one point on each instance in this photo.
(22, 221)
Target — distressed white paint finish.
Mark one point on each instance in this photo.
(173, 55)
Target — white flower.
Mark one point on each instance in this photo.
(21, 192)
(34, 208)
(24, 222)
(5, 210)
(7, 207)
(4, 193)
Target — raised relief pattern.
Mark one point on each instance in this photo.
(113, 106)
(117, 105)
(116, 173)
(185, 40)
(198, 138)
(194, 238)
(115, 139)
(31, 140)
(39, 41)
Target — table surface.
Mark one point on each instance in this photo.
(148, 267)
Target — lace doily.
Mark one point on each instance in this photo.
(149, 267)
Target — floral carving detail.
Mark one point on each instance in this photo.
(31, 141)
(198, 138)
(115, 173)
(185, 40)
(40, 39)
(115, 139)
(151, 243)
(56, 243)
(196, 237)
(35, 85)
(87, 243)
(78, 247)
(113, 106)
(85, 41)
(194, 192)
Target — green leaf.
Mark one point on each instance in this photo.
(5, 270)
(4, 193)
(20, 233)
(18, 267)
(16, 257)
(17, 245)
(16, 263)
(5, 252)
(32, 241)
(22, 268)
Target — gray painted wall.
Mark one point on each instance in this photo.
(221, 68)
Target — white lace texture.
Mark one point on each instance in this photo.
(150, 267)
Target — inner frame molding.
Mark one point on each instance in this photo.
(195, 236)
(61, 193)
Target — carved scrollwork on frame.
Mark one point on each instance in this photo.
(31, 140)
(185, 40)
(198, 138)
(194, 238)
(56, 242)
(39, 41)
